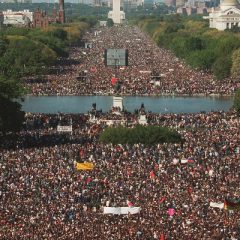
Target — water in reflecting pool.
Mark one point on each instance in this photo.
(82, 104)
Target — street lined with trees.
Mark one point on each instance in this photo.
(192, 40)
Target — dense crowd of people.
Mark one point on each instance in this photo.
(151, 70)
(44, 196)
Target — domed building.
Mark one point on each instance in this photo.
(226, 16)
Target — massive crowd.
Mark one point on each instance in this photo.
(145, 58)
(43, 196)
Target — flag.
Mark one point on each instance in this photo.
(85, 166)
(162, 237)
(93, 69)
(152, 175)
(88, 180)
(189, 161)
(114, 80)
(232, 205)
(171, 212)
(161, 200)
(129, 204)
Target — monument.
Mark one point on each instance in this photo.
(116, 14)
(118, 102)
(142, 120)
(225, 17)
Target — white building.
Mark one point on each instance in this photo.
(116, 14)
(132, 4)
(225, 17)
(24, 17)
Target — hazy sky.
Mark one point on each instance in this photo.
(73, 1)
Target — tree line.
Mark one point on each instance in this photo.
(29, 52)
(191, 39)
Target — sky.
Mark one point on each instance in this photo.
(73, 1)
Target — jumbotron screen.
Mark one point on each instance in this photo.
(116, 57)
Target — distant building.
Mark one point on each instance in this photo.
(19, 18)
(194, 7)
(225, 17)
(202, 10)
(42, 20)
(180, 3)
(170, 3)
(116, 14)
(127, 4)
(37, 18)
(102, 23)
(192, 10)
(132, 4)
(23, 1)
(98, 3)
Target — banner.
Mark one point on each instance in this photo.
(85, 166)
(217, 205)
(121, 210)
(64, 128)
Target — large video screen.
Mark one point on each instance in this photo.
(116, 57)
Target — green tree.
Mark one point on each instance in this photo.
(10, 88)
(16, 31)
(110, 22)
(194, 43)
(227, 44)
(222, 67)
(236, 103)
(25, 57)
(201, 59)
(178, 46)
(3, 45)
(173, 27)
(235, 70)
(60, 33)
(148, 135)
(11, 116)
